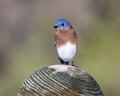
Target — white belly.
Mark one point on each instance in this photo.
(67, 52)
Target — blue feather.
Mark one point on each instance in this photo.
(55, 45)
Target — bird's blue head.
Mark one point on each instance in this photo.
(62, 24)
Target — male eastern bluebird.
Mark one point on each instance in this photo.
(65, 41)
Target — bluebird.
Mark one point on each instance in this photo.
(65, 41)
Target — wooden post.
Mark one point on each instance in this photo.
(60, 80)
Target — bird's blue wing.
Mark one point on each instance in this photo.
(55, 45)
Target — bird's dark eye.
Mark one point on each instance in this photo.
(55, 26)
(62, 24)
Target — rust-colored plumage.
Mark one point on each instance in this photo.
(65, 36)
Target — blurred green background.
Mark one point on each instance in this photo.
(27, 36)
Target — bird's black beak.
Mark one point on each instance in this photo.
(55, 26)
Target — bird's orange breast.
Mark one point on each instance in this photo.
(64, 36)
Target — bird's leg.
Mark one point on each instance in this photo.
(66, 63)
(62, 62)
(73, 63)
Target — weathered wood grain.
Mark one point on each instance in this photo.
(60, 80)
